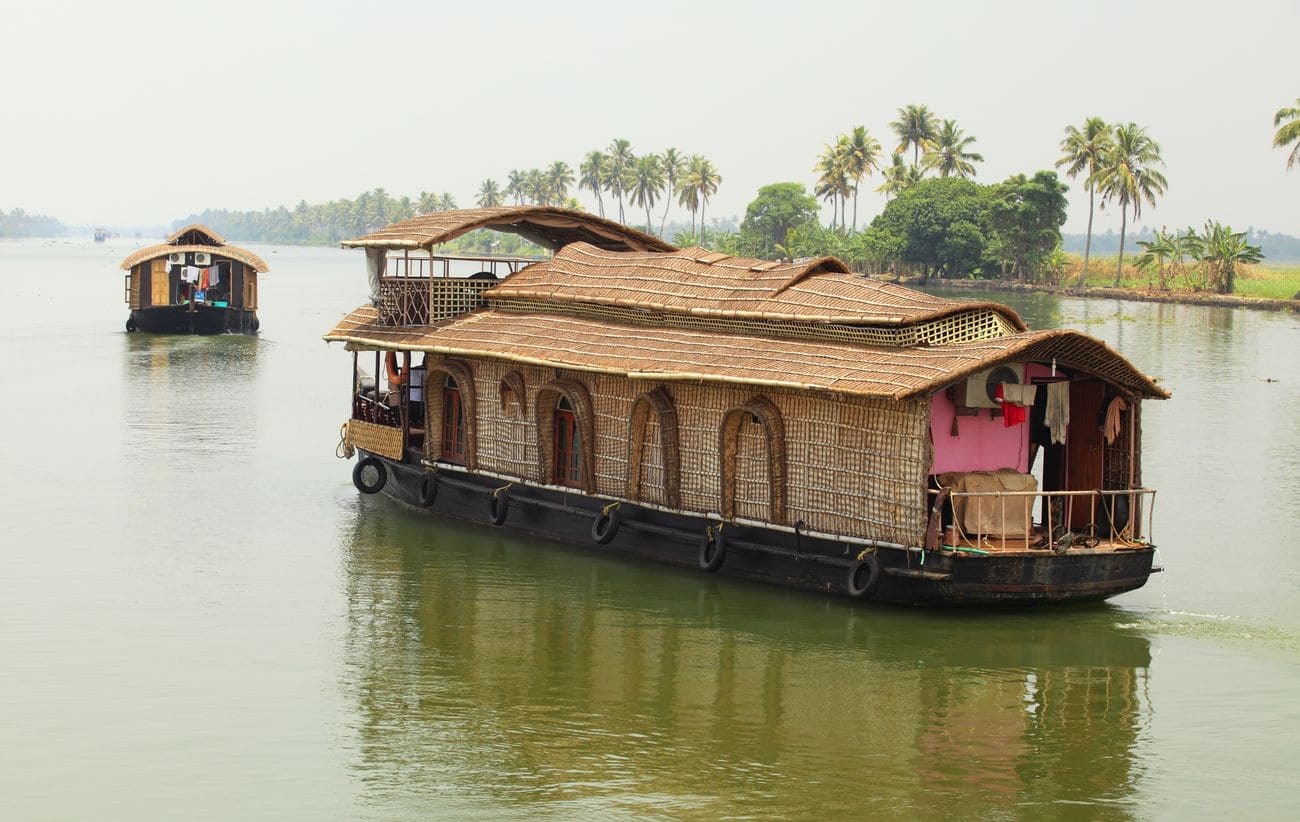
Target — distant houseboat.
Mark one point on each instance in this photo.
(102, 234)
(789, 423)
(194, 283)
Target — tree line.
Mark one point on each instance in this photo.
(19, 223)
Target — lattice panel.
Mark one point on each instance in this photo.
(427, 301)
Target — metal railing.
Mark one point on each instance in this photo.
(368, 410)
(1004, 520)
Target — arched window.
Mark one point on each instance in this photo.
(752, 454)
(453, 423)
(654, 456)
(568, 460)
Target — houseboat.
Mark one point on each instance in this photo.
(788, 423)
(193, 283)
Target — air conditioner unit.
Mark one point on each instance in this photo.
(202, 258)
(981, 388)
(176, 258)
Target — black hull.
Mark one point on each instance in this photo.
(204, 319)
(778, 557)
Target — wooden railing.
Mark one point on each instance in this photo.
(1004, 520)
(422, 301)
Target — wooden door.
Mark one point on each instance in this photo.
(568, 448)
(1084, 447)
(160, 284)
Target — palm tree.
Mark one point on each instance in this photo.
(558, 179)
(862, 157)
(648, 181)
(617, 178)
(591, 176)
(489, 195)
(427, 203)
(515, 185)
(1156, 251)
(898, 177)
(1082, 150)
(1127, 176)
(673, 165)
(833, 177)
(446, 202)
(703, 178)
(915, 126)
(1289, 133)
(1224, 249)
(948, 153)
(688, 197)
(536, 187)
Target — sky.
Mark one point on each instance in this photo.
(139, 113)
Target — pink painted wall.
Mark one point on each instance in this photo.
(983, 443)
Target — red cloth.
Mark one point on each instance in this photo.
(1012, 414)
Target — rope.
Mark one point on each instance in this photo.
(344, 449)
(604, 512)
(505, 487)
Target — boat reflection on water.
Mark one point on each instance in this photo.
(483, 668)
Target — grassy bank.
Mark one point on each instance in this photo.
(1274, 282)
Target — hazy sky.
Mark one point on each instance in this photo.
(138, 113)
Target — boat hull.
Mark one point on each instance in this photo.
(782, 558)
(204, 319)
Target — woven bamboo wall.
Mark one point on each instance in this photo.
(854, 466)
(377, 439)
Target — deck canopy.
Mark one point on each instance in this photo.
(699, 282)
(667, 353)
(195, 237)
(552, 228)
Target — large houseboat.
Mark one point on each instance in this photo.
(792, 423)
(193, 283)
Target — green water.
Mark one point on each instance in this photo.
(200, 618)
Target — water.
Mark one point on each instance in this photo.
(200, 618)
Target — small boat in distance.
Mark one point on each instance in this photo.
(790, 423)
(194, 283)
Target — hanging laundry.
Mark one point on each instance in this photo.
(1058, 410)
(1020, 394)
(1012, 414)
(214, 275)
(1112, 427)
(190, 274)
(203, 280)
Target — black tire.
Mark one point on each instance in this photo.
(498, 508)
(358, 475)
(860, 587)
(713, 550)
(130, 324)
(605, 526)
(428, 490)
(255, 325)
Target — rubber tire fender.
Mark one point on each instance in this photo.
(712, 562)
(868, 588)
(605, 526)
(428, 489)
(498, 508)
(359, 480)
(131, 325)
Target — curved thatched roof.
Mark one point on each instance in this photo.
(195, 234)
(689, 354)
(550, 227)
(704, 283)
(233, 252)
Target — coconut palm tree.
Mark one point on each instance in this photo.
(558, 179)
(833, 178)
(489, 195)
(917, 127)
(447, 202)
(704, 178)
(536, 187)
(617, 177)
(688, 197)
(427, 203)
(648, 181)
(1289, 133)
(515, 185)
(898, 177)
(948, 154)
(862, 157)
(673, 165)
(591, 176)
(1082, 150)
(1128, 176)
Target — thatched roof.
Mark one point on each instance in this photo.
(546, 226)
(669, 354)
(198, 233)
(233, 252)
(704, 283)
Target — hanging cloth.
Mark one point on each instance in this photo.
(203, 280)
(1112, 427)
(1012, 414)
(1058, 410)
(214, 275)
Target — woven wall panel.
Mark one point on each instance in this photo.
(377, 439)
